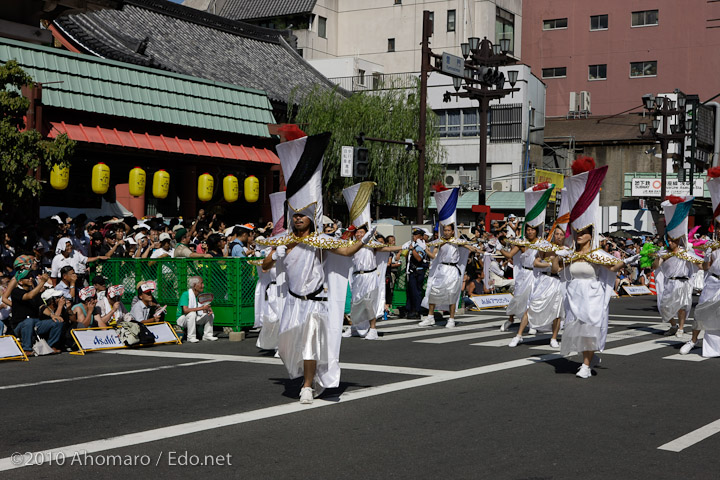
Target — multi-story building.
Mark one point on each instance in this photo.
(617, 50)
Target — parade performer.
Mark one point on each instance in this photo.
(588, 270)
(316, 280)
(545, 302)
(269, 298)
(523, 257)
(678, 265)
(707, 311)
(447, 267)
(367, 279)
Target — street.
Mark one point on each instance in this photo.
(419, 403)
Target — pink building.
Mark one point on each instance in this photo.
(618, 50)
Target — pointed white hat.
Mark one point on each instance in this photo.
(446, 202)
(277, 207)
(536, 200)
(713, 184)
(357, 198)
(583, 193)
(676, 210)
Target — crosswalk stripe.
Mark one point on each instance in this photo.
(612, 337)
(461, 337)
(642, 347)
(687, 358)
(503, 342)
(440, 331)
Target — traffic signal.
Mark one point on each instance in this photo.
(361, 162)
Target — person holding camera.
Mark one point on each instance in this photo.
(417, 266)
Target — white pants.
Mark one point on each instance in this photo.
(192, 319)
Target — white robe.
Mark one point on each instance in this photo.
(269, 296)
(445, 281)
(589, 288)
(524, 282)
(546, 300)
(676, 294)
(364, 288)
(707, 311)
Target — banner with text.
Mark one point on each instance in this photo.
(637, 290)
(10, 349)
(497, 300)
(106, 338)
(650, 187)
(551, 177)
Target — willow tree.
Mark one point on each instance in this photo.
(23, 152)
(388, 114)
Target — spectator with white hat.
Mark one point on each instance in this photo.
(163, 248)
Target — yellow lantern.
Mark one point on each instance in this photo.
(59, 177)
(205, 187)
(100, 178)
(136, 184)
(161, 184)
(252, 189)
(231, 188)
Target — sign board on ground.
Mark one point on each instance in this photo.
(10, 349)
(453, 65)
(498, 300)
(346, 162)
(106, 338)
(637, 290)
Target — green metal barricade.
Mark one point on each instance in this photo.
(231, 280)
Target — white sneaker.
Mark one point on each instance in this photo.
(428, 322)
(554, 343)
(277, 354)
(372, 335)
(306, 395)
(680, 333)
(532, 331)
(687, 347)
(193, 340)
(450, 323)
(504, 327)
(584, 372)
(517, 339)
(210, 338)
(347, 333)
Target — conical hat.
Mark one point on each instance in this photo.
(446, 202)
(713, 184)
(676, 210)
(536, 200)
(583, 195)
(277, 207)
(357, 198)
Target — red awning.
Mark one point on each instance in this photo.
(162, 143)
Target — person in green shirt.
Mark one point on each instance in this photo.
(190, 313)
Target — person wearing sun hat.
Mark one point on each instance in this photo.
(448, 260)
(523, 255)
(588, 271)
(316, 280)
(678, 264)
(707, 310)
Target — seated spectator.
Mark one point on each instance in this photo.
(145, 309)
(67, 283)
(190, 313)
(87, 309)
(25, 312)
(111, 307)
(163, 247)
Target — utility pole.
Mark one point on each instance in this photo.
(424, 72)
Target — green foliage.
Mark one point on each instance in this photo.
(389, 114)
(22, 152)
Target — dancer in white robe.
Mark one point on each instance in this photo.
(678, 265)
(316, 276)
(536, 200)
(588, 270)
(707, 311)
(448, 261)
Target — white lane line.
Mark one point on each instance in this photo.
(276, 361)
(439, 331)
(612, 337)
(680, 444)
(163, 433)
(643, 347)
(101, 375)
(462, 337)
(687, 358)
(503, 342)
(415, 326)
(654, 317)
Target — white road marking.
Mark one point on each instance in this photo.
(461, 337)
(414, 325)
(654, 317)
(680, 444)
(643, 347)
(112, 374)
(440, 330)
(163, 433)
(504, 341)
(696, 357)
(612, 337)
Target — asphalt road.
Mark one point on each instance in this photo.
(419, 403)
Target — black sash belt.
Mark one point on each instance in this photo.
(527, 268)
(551, 274)
(452, 265)
(715, 275)
(312, 296)
(679, 278)
(359, 272)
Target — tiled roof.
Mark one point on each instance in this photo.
(595, 129)
(89, 84)
(256, 9)
(164, 35)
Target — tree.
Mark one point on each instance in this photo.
(22, 151)
(389, 114)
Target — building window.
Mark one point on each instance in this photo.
(391, 44)
(432, 22)
(555, 72)
(555, 24)
(643, 69)
(505, 27)
(597, 72)
(300, 51)
(361, 77)
(322, 27)
(645, 18)
(451, 21)
(398, 2)
(599, 22)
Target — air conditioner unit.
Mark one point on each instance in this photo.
(574, 102)
(584, 101)
(497, 186)
(452, 180)
(465, 179)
